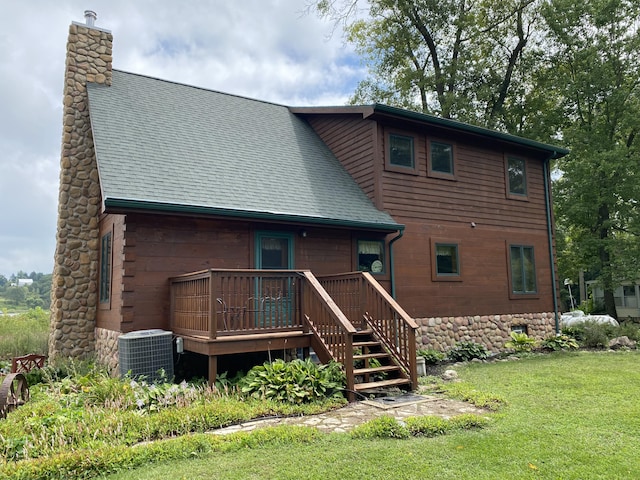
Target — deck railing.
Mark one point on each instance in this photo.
(368, 305)
(214, 303)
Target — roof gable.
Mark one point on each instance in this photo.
(166, 146)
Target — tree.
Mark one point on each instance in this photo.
(596, 69)
(16, 295)
(454, 58)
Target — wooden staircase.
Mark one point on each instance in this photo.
(374, 368)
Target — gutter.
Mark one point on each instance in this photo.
(392, 279)
(547, 202)
(123, 205)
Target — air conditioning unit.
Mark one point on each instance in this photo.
(145, 354)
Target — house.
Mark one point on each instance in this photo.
(245, 226)
(627, 298)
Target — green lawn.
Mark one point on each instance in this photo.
(569, 416)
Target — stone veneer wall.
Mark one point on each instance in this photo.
(492, 331)
(107, 349)
(74, 293)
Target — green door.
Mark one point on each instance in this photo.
(274, 299)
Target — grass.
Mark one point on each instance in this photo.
(24, 333)
(567, 416)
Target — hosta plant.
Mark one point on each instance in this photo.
(520, 342)
(298, 381)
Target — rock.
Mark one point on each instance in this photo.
(450, 375)
(621, 342)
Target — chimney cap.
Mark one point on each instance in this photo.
(90, 17)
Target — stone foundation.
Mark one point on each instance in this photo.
(492, 331)
(107, 349)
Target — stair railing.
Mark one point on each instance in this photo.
(333, 333)
(368, 304)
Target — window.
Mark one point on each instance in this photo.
(371, 256)
(630, 298)
(516, 177)
(401, 154)
(523, 270)
(447, 259)
(440, 159)
(105, 268)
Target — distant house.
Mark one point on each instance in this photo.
(24, 282)
(626, 296)
(247, 226)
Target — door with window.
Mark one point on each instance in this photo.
(274, 297)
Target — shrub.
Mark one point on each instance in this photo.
(520, 342)
(465, 351)
(430, 426)
(431, 356)
(560, 342)
(597, 335)
(298, 381)
(381, 427)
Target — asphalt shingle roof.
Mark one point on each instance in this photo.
(168, 146)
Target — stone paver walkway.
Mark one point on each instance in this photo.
(346, 418)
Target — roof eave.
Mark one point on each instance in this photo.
(121, 205)
(552, 151)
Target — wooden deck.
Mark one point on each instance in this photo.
(222, 312)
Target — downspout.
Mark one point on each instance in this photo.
(547, 202)
(392, 276)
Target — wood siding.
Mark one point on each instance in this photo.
(157, 247)
(352, 141)
(109, 313)
(444, 209)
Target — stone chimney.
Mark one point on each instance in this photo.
(74, 293)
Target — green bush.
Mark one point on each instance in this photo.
(520, 342)
(465, 351)
(431, 356)
(381, 427)
(597, 335)
(431, 426)
(560, 342)
(298, 381)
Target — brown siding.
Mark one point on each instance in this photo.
(444, 209)
(159, 247)
(484, 287)
(109, 313)
(351, 140)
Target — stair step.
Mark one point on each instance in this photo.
(384, 368)
(366, 344)
(370, 355)
(382, 383)
(363, 332)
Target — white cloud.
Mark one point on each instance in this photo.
(264, 49)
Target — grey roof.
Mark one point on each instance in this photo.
(177, 148)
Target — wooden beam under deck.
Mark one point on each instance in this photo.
(260, 342)
(228, 345)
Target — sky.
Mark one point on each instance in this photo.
(263, 49)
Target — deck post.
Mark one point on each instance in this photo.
(213, 369)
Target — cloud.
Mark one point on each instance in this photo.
(263, 49)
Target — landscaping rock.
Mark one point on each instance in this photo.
(621, 342)
(450, 375)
